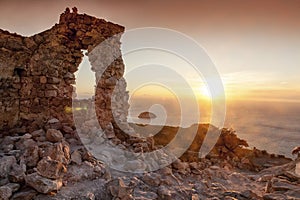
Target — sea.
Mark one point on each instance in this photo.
(270, 126)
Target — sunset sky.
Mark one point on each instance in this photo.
(255, 44)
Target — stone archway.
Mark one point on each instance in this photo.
(39, 71)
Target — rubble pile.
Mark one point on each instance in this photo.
(52, 163)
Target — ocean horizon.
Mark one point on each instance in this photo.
(270, 126)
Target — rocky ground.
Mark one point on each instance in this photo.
(51, 163)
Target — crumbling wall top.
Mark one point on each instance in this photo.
(37, 72)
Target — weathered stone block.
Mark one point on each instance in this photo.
(43, 79)
(50, 93)
(41, 184)
(53, 135)
(50, 168)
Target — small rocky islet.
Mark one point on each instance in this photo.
(147, 115)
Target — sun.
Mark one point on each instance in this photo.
(204, 92)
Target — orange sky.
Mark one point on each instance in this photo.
(254, 44)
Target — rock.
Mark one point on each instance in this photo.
(230, 139)
(53, 123)
(6, 164)
(297, 169)
(248, 194)
(85, 171)
(41, 139)
(109, 131)
(76, 157)
(195, 197)
(293, 194)
(109, 134)
(214, 167)
(53, 120)
(140, 194)
(152, 179)
(24, 144)
(265, 178)
(147, 115)
(296, 151)
(82, 190)
(59, 152)
(274, 197)
(118, 189)
(43, 79)
(50, 168)
(4, 181)
(237, 195)
(164, 193)
(17, 174)
(13, 186)
(68, 129)
(41, 184)
(51, 93)
(282, 185)
(166, 171)
(268, 187)
(5, 192)
(53, 135)
(7, 143)
(31, 156)
(291, 176)
(182, 167)
(38, 133)
(26, 136)
(25, 194)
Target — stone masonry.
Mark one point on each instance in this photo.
(37, 72)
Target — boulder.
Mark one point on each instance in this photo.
(273, 196)
(76, 157)
(85, 171)
(140, 194)
(180, 166)
(152, 179)
(293, 194)
(17, 173)
(38, 133)
(31, 156)
(23, 144)
(50, 168)
(5, 192)
(297, 168)
(54, 135)
(67, 129)
(6, 164)
(52, 123)
(282, 185)
(164, 193)
(58, 151)
(41, 184)
(118, 189)
(24, 194)
(13, 186)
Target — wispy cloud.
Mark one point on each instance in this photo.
(263, 86)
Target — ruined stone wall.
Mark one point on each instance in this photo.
(37, 72)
